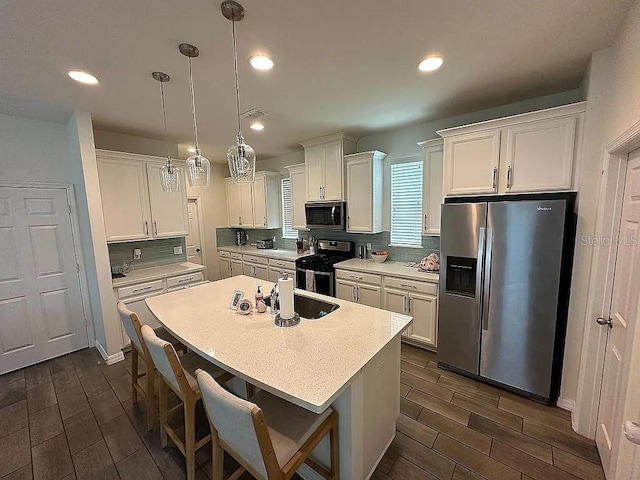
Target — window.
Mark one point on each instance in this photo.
(287, 212)
(406, 203)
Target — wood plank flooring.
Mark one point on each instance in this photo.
(72, 417)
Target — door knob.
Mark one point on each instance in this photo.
(198, 250)
(604, 321)
(632, 431)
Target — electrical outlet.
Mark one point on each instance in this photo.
(137, 253)
(177, 250)
(273, 239)
(369, 246)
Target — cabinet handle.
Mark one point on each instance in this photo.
(406, 285)
(239, 220)
(155, 228)
(138, 290)
(146, 228)
(353, 293)
(190, 279)
(509, 177)
(265, 221)
(409, 303)
(355, 277)
(495, 178)
(404, 304)
(425, 223)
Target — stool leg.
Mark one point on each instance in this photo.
(217, 460)
(190, 437)
(163, 411)
(250, 390)
(151, 377)
(333, 446)
(134, 374)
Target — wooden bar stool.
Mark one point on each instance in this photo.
(178, 374)
(132, 326)
(270, 437)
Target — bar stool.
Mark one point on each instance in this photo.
(132, 326)
(270, 437)
(178, 374)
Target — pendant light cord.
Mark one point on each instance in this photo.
(235, 67)
(164, 117)
(193, 105)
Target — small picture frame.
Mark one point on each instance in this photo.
(237, 296)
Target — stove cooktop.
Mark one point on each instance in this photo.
(320, 262)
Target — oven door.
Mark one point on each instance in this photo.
(323, 282)
(325, 215)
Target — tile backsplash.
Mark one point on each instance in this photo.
(154, 253)
(379, 241)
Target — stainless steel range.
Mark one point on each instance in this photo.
(316, 273)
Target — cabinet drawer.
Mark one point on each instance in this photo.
(411, 285)
(141, 289)
(236, 256)
(282, 264)
(224, 254)
(184, 279)
(254, 259)
(359, 277)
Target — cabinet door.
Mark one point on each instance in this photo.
(333, 172)
(471, 163)
(123, 187)
(225, 268)
(260, 202)
(395, 301)
(234, 203)
(169, 212)
(424, 309)
(360, 195)
(248, 269)
(432, 190)
(262, 272)
(245, 192)
(345, 290)
(236, 267)
(369, 295)
(298, 197)
(274, 274)
(314, 172)
(539, 156)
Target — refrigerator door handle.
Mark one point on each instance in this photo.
(479, 271)
(486, 289)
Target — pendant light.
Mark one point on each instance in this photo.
(198, 167)
(170, 175)
(241, 157)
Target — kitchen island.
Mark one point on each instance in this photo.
(349, 360)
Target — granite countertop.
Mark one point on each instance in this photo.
(154, 273)
(310, 364)
(278, 253)
(388, 268)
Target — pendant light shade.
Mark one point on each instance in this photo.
(170, 175)
(241, 157)
(198, 167)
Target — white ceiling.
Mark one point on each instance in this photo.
(339, 65)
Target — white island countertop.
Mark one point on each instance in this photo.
(310, 364)
(154, 273)
(388, 268)
(278, 253)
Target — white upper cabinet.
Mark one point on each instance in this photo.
(432, 186)
(324, 170)
(298, 195)
(364, 191)
(134, 205)
(254, 205)
(169, 210)
(531, 152)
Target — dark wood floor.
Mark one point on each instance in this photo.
(73, 417)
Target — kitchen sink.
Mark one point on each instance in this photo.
(308, 307)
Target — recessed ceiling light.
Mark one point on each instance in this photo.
(257, 126)
(260, 62)
(82, 77)
(191, 149)
(430, 64)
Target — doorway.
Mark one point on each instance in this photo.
(617, 377)
(195, 239)
(41, 305)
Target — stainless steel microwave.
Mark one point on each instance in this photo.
(326, 215)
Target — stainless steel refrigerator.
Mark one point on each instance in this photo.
(504, 283)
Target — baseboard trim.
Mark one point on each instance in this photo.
(109, 359)
(566, 404)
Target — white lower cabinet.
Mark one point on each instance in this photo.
(277, 267)
(360, 288)
(236, 267)
(256, 271)
(225, 265)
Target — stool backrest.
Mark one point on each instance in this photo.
(239, 425)
(131, 324)
(165, 359)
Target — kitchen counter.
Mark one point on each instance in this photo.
(154, 273)
(388, 268)
(278, 253)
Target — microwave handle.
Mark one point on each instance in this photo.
(333, 215)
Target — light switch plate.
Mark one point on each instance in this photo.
(177, 250)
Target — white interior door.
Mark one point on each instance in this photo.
(41, 311)
(194, 239)
(624, 310)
